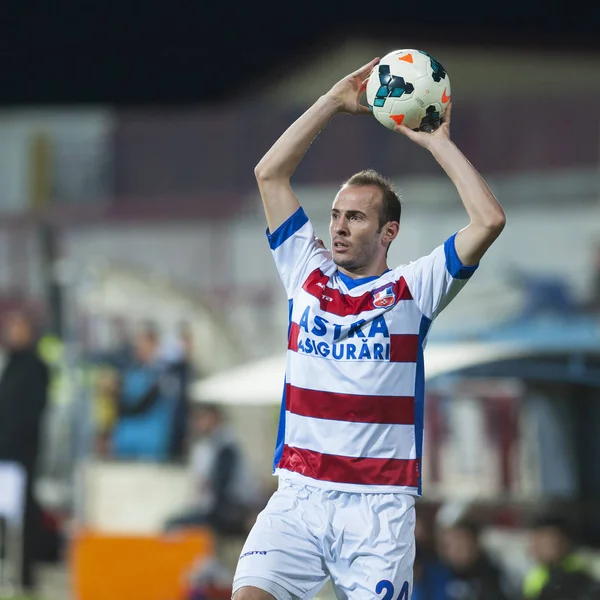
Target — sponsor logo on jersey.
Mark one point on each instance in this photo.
(385, 297)
(359, 340)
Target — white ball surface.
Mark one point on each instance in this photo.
(408, 87)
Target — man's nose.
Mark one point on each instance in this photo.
(341, 227)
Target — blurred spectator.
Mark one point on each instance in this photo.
(430, 575)
(183, 366)
(210, 580)
(227, 495)
(545, 295)
(105, 404)
(146, 403)
(473, 575)
(560, 574)
(594, 301)
(430, 579)
(23, 399)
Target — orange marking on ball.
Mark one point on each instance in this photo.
(397, 118)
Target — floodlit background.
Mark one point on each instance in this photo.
(132, 242)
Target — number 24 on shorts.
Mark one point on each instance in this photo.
(388, 587)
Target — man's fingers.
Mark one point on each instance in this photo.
(363, 85)
(363, 110)
(407, 131)
(447, 114)
(365, 70)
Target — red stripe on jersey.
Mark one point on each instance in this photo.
(293, 336)
(347, 469)
(343, 305)
(393, 410)
(404, 348)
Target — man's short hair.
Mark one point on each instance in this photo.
(209, 408)
(558, 522)
(390, 207)
(468, 525)
(149, 330)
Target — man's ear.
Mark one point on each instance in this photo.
(390, 231)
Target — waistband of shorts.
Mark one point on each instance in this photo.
(288, 479)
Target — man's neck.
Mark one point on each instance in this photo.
(366, 272)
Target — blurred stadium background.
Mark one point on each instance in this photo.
(128, 204)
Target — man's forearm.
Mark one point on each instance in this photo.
(486, 215)
(287, 152)
(479, 201)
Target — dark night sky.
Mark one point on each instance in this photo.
(182, 52)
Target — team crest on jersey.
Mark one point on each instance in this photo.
(384, 297)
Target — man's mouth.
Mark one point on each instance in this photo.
(339, 246)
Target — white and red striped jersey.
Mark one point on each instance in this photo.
(352, 409)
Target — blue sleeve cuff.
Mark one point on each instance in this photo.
(287, 229)
(453, 262)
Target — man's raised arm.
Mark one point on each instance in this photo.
(486, 216)
(275, 169)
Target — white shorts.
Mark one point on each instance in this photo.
(364, 542)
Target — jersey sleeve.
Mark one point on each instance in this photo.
(436, 279)
(297, 251)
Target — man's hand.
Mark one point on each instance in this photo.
(425, 139)
(276, 167)
(347, 92)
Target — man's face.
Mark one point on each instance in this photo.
(18, 331)
(355, 233)
(459, 548)
(548, 545)
(145, 347)
(205, 422)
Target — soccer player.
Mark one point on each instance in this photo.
(348, 453)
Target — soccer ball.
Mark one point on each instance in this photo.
(408, 87)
